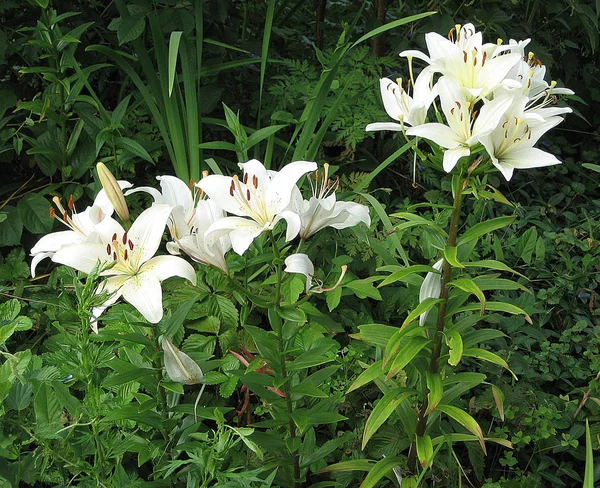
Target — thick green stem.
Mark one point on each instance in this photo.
(441, 318)
(284, 376)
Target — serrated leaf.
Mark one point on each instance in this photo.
(227, 388)
(47, 412)
(223, 308)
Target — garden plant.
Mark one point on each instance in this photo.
(251, 244)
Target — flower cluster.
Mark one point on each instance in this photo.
(491, 95)
(199, 226)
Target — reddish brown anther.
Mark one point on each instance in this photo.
(71, 203)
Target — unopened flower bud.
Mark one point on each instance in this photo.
(113, 191)
(180, 367)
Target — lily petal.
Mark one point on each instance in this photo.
(144, 293)
(164, 267)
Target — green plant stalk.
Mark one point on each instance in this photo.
(162, 399)
(284, 376)
(441, 317)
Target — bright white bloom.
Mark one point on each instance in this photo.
(135, 274)
(322, 210)
(202, 250)
(510, 145)
(465, 126)
(83, 226)
(431, 288)
(261, 195)
(479, 68)
(179, 197)
(400, 106)
(180, 367)
(300, 263)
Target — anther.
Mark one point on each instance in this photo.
(114, 237)
(458, 105)
(255, 181)
(114, 256)
(125, 238)
(52, 215)
(130, 244)
(465, 56)
(483, 59)
(125, 255)
(231, 189)
(245, 178)
(71, 203)
(65, 216)
(248, 195)
(108, 249)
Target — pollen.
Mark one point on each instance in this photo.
(255, 181)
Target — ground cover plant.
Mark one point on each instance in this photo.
(247, 244)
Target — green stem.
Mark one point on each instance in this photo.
(441, 317)
(281, 346)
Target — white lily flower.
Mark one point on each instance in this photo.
(135, 274)
(261, 195)
(465, 126)
(83, 225)
(180, 367)
(206, 251)
(400, 106)
(477, 67)
(179, 197)
(431, 288)
(510, 145)
(300, 263)
(322, 210)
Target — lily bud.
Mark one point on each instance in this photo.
(180, 367)
(113, 191)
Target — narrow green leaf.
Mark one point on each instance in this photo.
(424, 449)
(392, 25)
(455, 344)
(498, 307)
(499, 400)
(174, 41)
(464, 419)
(492, 282)
(377, 334)
(127, 376)
(400, 274)
(483, 228)
(469, 286)
(261, 134)
(352, 465)
(134, 148)
(382, 411)
(422, 307)
(409, 350)
(381, 469)
(492, 264)
(588, 480)
(374, 370)
(450, 255)
(435, 385)
(489, 356)
(397, 340)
